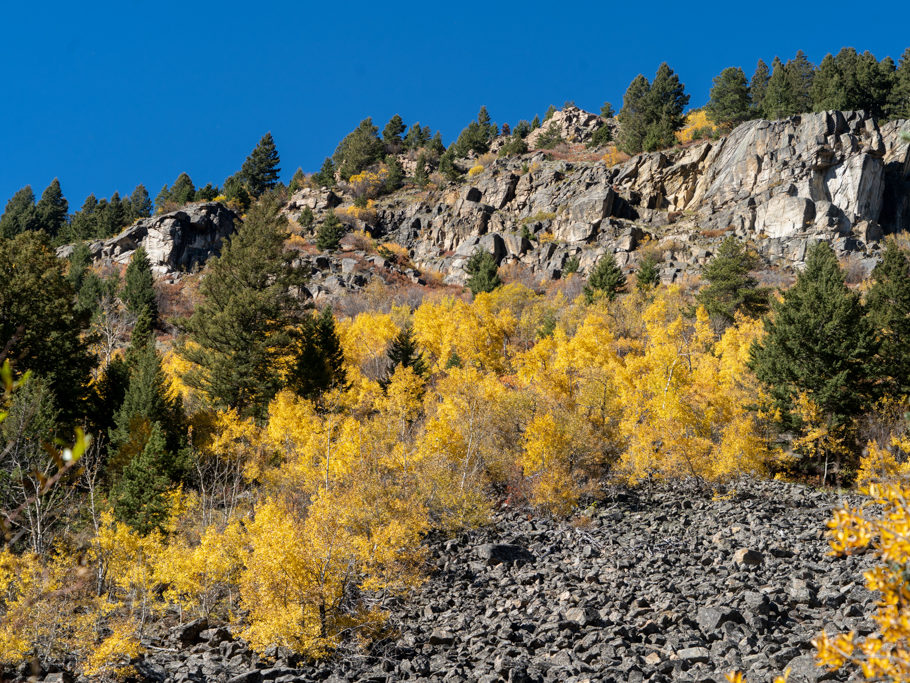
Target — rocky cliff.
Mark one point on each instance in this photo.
(834, 175)
(175, 242)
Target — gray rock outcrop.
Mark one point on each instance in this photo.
(178, 241)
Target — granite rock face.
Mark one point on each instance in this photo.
(179, 241)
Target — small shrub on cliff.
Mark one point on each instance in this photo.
(330, 232)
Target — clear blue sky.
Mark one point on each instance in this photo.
(105, 95)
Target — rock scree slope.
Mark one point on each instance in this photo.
(671, 585)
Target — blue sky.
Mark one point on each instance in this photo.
(106, 95)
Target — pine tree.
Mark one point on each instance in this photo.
(326, 175)
(730, 287)
(182, 191)
(297, 181)
(818, 341)
(606, 111)
(20, 215)
(391, 134)
(888, 305)
(799, 74)
(244, 325)
(319, 364)
(535, 122)
(421, 178)
(359, 149)
(633, 117)
(648, 276)
(758, 87)
(235, 192)
(146, 400)
(447, 165)
(606, 279)
(329, 235)
(140, 496)
(40, 327)
(899, 99)
(395, 178)
(140, 203)
(163, 197)
(52, 209)
(482, 270)
(828, 87)
(139, 286)
(417, 136)
(403, 352)
(260, 170)
(666, 102)
(205, 194)
(778, 101)
(729, 102)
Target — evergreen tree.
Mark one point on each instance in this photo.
(403, 351)
(139, 286)
(329, 235)
(606, 279)
(206, 194)
(52, 209)
(548, 114)
(417, 137)
(421, 178)
(730, 287)
(729, 103)
(395, 178)
(888, 304)
(818, 341)
(800, 73)
(79, 262)
(391, 134)
(633, 117)
(163, 197)
(359, 149)
(535, 122)
(606, 111)
(899, 99)
(236, 193)
(778, 101)
(666, 102)
(648, 276)
(483, 275)
(259, 171)
(298, 180)
(319, 364)
(146, 401)
(140, 203)
(758, 87)
(82, 225)
(140, 496)
(326, 175)
(244, 324)
(20, 215)
(182, 191)
(447, 165)
(40, 327)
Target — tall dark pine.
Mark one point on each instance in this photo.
(888, 304)
(606, 279)
(20, 214)
(729, 102)
(140, 203)
(139, 286)
(52, 209)
(633, 117)
(730, 286)
(245, 324)
(260, 170)
(818, 341)
(403, 352)
(319, 364)
(758, 86)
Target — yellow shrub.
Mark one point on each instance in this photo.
(614, 156)
(697, 123)
(475, 170)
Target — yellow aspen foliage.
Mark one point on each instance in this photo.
(200, 575)
(478, 332)
(110, 659)
(882, 524)
(400, 407)
(364, 340)
(458, 450)
(684, 408)
(48, 607)
(298, 574)
(696, 125)
(546, 459)
(820, 440)
(881, 464)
